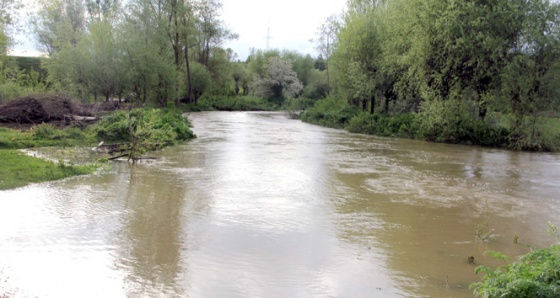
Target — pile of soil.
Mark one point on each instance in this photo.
(48, 108)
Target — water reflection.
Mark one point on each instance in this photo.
(150, 235)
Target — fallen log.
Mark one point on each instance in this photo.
(117, 157)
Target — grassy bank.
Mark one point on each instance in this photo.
(157, 128)
(17, 169)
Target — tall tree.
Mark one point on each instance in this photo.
(9, 13)
(326, 39)
(211, 32)
(59, 23)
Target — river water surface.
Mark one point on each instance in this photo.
(263, 206)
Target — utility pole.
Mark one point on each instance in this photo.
(268, 37)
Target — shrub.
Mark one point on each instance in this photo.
(147, 125)
(536, 274)
(330, 112)
(47, 131)
(400, 125)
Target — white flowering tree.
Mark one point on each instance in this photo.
(279, 81)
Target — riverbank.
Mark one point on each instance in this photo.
(243, 103)
(18, 169)
(455, 125)
(141, 130)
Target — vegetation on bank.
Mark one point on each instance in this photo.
(18, 169)
(441, 121)
(535, 274)
(137, 131)
(469, 72)
(231, 103)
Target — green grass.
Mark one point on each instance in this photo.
(43, 135)
(18, 169)
(155, 127)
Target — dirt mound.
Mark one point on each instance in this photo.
(49, 108)
(36, 109)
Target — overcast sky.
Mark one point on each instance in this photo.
(292, 23)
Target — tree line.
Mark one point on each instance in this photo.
(154, 51)
(463, 67)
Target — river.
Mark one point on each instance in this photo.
(263, 206)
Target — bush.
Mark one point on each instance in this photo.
(400, 125)
(446, 121)
(536, 274)
(146, 125)
(330, 112)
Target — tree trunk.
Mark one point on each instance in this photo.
(189, 77)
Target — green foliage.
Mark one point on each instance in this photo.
(533, 133)
(455, 63)
(330, 112)
(18, 169)
(455, 121)
(47, 131)
(383, 125)
(201, 79)
(144, 125)
(42, 136)
(20, 79)
(536, 274)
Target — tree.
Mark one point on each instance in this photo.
(211, 31)
(238, 74)
(327, 35)
(100, 10)
(149, 64)
(59, 23)
(279, 81)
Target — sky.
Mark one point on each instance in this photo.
(292, 23)
(289, 23)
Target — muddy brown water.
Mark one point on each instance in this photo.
(263, 206)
